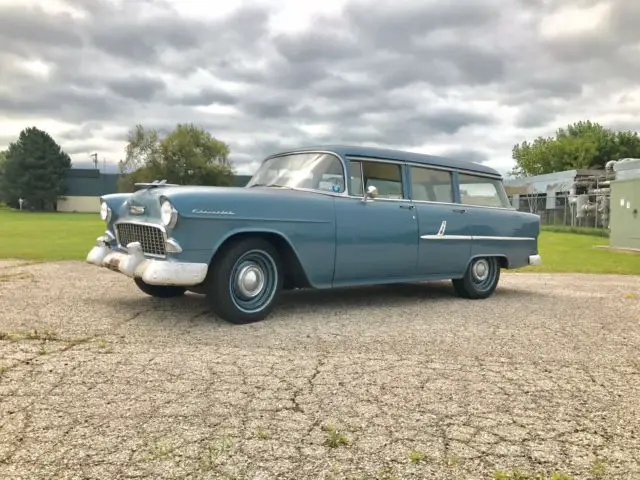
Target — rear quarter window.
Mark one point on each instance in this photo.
(482, 191)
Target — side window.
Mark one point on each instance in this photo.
(431, 185)
(483, 191)
(386, 177)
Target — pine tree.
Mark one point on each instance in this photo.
(34, 169)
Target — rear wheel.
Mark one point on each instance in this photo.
(159, 291)
(245, 281)
(480, 280)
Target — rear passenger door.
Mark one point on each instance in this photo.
(445, 244)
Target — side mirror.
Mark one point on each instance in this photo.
(370, 193)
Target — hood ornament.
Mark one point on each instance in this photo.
(136, 210)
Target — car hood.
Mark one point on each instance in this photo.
(237, 202)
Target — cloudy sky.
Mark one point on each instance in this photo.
(465, 78)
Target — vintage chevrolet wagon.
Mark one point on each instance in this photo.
(319, 218)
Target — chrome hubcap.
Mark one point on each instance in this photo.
(250, 281)
(481, 270)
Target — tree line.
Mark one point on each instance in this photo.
(34, 167)
(581, 145)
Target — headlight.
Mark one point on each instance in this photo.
(168, 214)
(105, 212)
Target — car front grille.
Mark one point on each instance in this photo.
(151, 237)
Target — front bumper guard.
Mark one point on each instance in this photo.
(134, 264)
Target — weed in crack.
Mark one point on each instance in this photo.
(334, 438)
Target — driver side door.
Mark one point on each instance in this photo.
(376, 240)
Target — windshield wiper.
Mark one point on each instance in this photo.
(269, 185)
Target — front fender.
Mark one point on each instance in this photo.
(315, 251)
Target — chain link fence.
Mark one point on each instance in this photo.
(558, 211)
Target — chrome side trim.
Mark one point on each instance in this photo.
(487, 237)
(473, 237)
(446, 237)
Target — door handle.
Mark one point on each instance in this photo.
(408, 207)
(459, 210)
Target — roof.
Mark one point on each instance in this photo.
(400, 155)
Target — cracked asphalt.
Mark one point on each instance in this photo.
(99, 381)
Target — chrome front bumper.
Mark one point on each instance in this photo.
(151, 271)
(535, 260)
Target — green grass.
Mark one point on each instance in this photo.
(595, 232)
(48, 236)
(574, 253)
(70, 236)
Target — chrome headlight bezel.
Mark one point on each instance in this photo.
(105, 212)
(168, 213)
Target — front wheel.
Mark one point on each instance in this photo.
(159, 291)
(480, 280)
(245, 281)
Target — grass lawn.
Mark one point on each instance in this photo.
(48, 236)
(572, 252)
(70, 236)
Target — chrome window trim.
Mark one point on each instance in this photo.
(346, 193)
(491, 178)
(298, 152)
(463, 205)
(427, 167)
(146, 224)
(399, 163)
(486, 206)
(452, 204)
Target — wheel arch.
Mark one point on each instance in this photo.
(294, 274)
(503, 260)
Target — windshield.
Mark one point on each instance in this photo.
(315, 171)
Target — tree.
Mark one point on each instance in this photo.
(34, 169)
(3, 160)
(581, 145)
(187, 155)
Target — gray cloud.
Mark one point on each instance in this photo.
(136, 87)
(410, 74)
(467, 154)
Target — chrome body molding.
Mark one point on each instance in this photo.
(446, 237)
(473, 237)
(133, 263)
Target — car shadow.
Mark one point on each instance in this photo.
(300, 301)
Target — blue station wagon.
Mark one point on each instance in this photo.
(319, 218)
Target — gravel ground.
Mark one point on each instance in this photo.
(391, 382)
